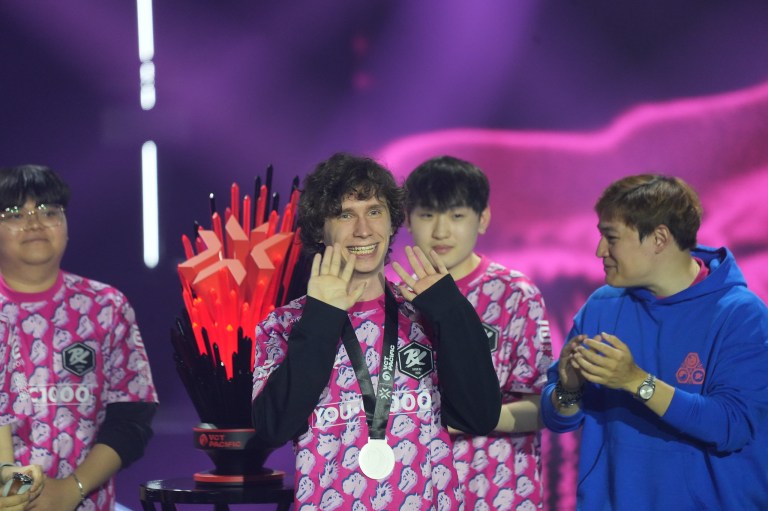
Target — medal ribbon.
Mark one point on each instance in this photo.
(376, 405)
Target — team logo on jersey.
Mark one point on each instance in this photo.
(493, 336)
(415, 360)
(79, 359)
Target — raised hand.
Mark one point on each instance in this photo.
(329, 282)
(423, 269)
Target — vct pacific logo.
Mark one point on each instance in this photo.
(79, 359)
(493, 336)
(415, 360)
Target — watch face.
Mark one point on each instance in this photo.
(645, 392)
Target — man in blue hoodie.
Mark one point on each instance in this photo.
(666, 367)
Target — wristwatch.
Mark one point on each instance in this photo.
(646, 389)
(567, 398)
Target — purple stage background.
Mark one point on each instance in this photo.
(554, 99)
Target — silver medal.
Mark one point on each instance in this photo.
(376, 459)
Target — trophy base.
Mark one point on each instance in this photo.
(265, 477)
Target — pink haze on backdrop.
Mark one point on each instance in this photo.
(544, 185)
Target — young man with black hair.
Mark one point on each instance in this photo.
(76, 389)
(363, 375)
(447, 206)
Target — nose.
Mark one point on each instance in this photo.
(362, 229)
(440, 229)
(602, 248)
(32, 221)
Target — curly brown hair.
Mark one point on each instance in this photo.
(340, 176)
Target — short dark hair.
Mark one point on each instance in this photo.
(447, 182)
(37, 182)
(645, 201)
(340, 176)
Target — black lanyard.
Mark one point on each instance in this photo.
(376, 406)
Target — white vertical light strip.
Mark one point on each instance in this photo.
(147, 94)
(146, 53)
(150, 204)
(146, 32)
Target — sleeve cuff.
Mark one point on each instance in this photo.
(553, 420)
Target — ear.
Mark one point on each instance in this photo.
(485, 220)
(408, 221)
(662, 238)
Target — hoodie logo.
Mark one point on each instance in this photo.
(692, 370)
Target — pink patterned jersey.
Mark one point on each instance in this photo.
(327, 473)
(503, 471)
(71, 350)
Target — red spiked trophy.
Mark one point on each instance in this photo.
(234, 274)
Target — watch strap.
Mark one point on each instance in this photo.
(567, 398)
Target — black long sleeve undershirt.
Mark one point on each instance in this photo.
(127, 429)
(282, 409)
(471, 399)
(469, 387)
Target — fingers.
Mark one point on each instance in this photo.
(407, 292)
(413, 260)
(39, 482)
(572, 344)
(316, 265)
(441, 268)
(424, 261)
(349, 268)
(612, 340)
(335, 259)
(325, 263)
(330, 263)
(597, 345)
(404, 275)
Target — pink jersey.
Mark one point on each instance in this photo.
(503, 471)
(327, 473)
(71, 350)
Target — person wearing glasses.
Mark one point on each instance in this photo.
(76, 391)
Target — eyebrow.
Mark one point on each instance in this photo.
(606, 228)
(378, 205)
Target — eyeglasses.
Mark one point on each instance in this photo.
(16, 219)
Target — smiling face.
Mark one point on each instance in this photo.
(451, 233)
(363, 228)
(627, 261)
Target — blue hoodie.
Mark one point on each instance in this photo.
(710, 449)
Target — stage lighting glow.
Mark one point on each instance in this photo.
(146, 53)
(146, 30)
(150, 204)
(147, 74)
